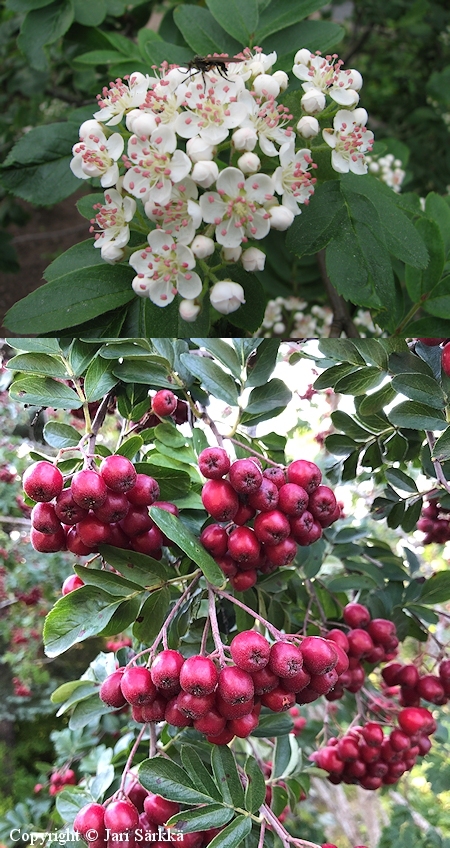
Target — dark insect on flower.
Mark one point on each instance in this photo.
(203, 64)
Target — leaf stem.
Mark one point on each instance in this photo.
(440, 476)
(253, 452)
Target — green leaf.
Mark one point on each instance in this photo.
(360, 381)
(112, 583)
(148, 373)
(169, 435)
(418, 282)
(88, 13)
(441, 449)
(38, 363)
(223, 352)
(417, 416)
(420, 387)
(63, 692)
(173, 482)
(76, 617)
(226, 776)
(211, 815)
(341, 350)
(266, 401)
(320, 220)
(436, 590)
(399, 480)
(36, 345)
(99, 379)
(152, 616)
(250, 315)
(340, 445)
(331, 376)
(273, 725)
(99, 57)
(408, 363)
(203, 33)
(130, 447)
(285, 755)
(233, 834)
(41, 27)
(348, 425)
(238, 19)
(81, 287)
(347, 583)
(166, 778)
(198, 772)
(175, 530)
(437, 209)
(373, 351)
(213, 378)
(280, 15)
(44, 391)
(377, 400)
(139, 567)
(347, 267)
(255, 792)
(37, 167)
(86, 712)
(80, 356)
(69, 802)
(261, 366)
(59, 435)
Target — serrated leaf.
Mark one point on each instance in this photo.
(377, 400)
(441, 449)
(266, 401)
(255, 792)
(141, 563)
(166, 778)
(59, 435)
(198, 772)
(99, 379)
(420, 387)
(175, 530)
(226, 776)
(44, 391)
(204, 818)
(76, 617)
(240, 20)
(213, 378)
(360, 381)
(152, 616)
(399, 480)
(261, 366)
(273, 725)
(38, 363)
(342, 350)
(148, 373)
(202, 32)
(112, 583)
(285, 756)
(233, 834)
(417, 416)
(436, 590)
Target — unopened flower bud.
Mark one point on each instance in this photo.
(349, 103)
(89, 128)
(356, 79)
(282, 79)
(231, 254)
(303, 56)
(308, 127)
(189, 310)
(266, 85)
(144, 124)
(226, 296)
(197, 149)
(249, 163)
(313, 101)
(131, 117)
(141, 286)
(245, 138)
(360, 116)
(205, 173)
(280, 217)
(110, 253)
(253, 259)
(202, 246)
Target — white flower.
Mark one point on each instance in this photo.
(205, 173)
(280, 218)
(266, 85)
(202, 246)
(308, 127)
(226, 296)
(181, 217)
(142, 124)
(292, 179)
(349, 141)
(198, 150)
(239, 208)
(90, 127)
(231, 254)
(164, 269)
(155, 165)
(253, 259)
(324, 73)
(96, 156)
(282, 79)
(249, 163)
(211, 110)
(245, 138)
(120, 97)
(189, 310)
(269, 120)
(313, 101)
(113, 218)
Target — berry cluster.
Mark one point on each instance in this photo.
(287, 507)
(368, 640)
(104, 506)
(58, 780)
(225, 703)
(434, 522)
(364, 755)
(434, 688)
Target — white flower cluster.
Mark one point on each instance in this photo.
(158, 145)
(388, 169)
(293, 317)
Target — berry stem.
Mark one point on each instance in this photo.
(261, 835)
(130, 759)
(285, 837)
(277, 634)
(213, 427)
(253, 452)
(204, 638)
(437, 465)
(215, 626)
(152, 745)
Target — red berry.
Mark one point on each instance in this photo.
(297, 682)
(347, 749)
(90, 817)
(322, 503)
(75, 545)
(319, 655)
(195, 706)
(235, 686)
(111, 692)
(301, 526)
(164, 403)
(382, 631)
(243, 545)
(250, 651)
(198, 676)
(416, 720)
(408, 676)
(211, 723)
(245, 476)
(278, 700)
(430, 688)
(283, 553)
(92, 531)
(285, 659)
(373, 734)
(221, 739)
(137, 686)
(272, 527)
(305, 474)
(231, 711)
(159, 810)
(166, 668)
(88, 489)
(42, 481)
(264, 680)
(214, 463)
(293, 499)
(136, 521)
(266, 497)
(277, 474)
(118, 473)
(220, 499)
(323, 683)
(339, 637)
(121, 817)
(144, 492)
(215, 539)
(244, 580)
(243, 727)
(67, 510)
(359, 643)
(71, 583)
(47, 543)
(356, 615)
(149, 542)
(114, 509)
(44, 518)
(174, 716)
(244, 514)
